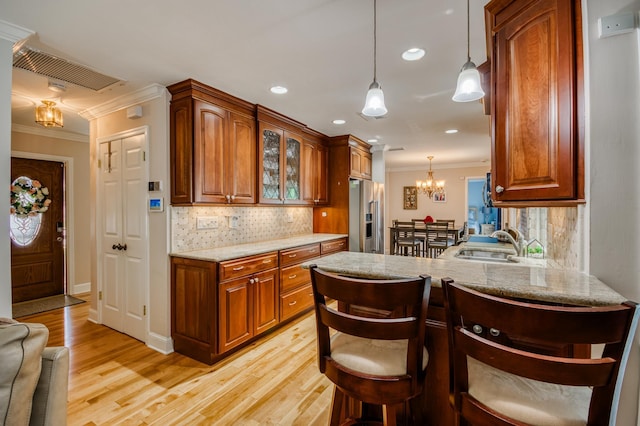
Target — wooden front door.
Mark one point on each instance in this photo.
(37, 240)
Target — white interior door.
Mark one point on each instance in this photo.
(123, 262)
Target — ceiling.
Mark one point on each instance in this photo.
(321, 50)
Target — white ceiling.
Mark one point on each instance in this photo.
(321, 50)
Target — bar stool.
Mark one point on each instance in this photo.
(377, 353)
(504, 374)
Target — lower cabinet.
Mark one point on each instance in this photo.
(220, 307)
(193, 312)
(247, 307)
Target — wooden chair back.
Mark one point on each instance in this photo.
(511, 336)
(407, 299)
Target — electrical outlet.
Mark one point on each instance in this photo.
(289, 217)
(206, 222)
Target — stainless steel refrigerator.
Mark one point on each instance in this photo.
(366, 216)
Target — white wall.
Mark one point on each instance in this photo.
(155, 114)
(6, 61)
(9, 35)
(455, 186)
(613, 134)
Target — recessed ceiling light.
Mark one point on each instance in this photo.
(339, 121)
(451, 131)
(279, 90)
(413, 54)
(374, 140)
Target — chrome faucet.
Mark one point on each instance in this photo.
(519, 245)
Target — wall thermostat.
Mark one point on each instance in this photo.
(156, 204)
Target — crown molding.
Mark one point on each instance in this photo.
(49, 133)
(13, 33)
(145, 94)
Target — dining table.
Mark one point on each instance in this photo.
(421, 232)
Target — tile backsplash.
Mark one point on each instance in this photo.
(194, 228)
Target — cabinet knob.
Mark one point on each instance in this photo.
(494, 332)
(499, 189)
(233, 197)
(251, 281)
(228, 197)
(256, 280)
(477, 329)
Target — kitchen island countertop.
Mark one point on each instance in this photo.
(561, 286)
(221, 254)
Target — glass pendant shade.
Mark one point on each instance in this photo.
(48, 115)
(374, 104)
(469, 87)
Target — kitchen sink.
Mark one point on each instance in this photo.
(486, 256)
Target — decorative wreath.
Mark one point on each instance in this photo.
(28, 197)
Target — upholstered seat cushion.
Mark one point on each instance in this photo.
(530, 401)
(21, 347)
(370, 356)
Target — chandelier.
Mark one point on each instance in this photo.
(431, 185)
(48, 115)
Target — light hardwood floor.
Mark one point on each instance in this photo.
(116, 380)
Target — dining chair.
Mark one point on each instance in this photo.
(406, 239)
(373, 351)
(504, 371)
(437, 238)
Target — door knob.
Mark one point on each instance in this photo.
(59, 239)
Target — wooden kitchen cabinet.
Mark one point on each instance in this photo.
(537, 102)
(218, 307)
(349, 158)
(359, 162)
(296, 294)
(314, 170)
(248, 305)
(279, 158)
(213, 146)
(193, 306)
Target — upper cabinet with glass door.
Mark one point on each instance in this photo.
(279, 158)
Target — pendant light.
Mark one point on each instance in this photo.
(48, 115)
(468, 87)
(374, 104)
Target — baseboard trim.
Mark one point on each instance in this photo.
(81, 288)
(162, 344)
(93, 316)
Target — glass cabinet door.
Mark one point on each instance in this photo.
(271, 165)
(292, 177)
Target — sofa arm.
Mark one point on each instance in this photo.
(50, 398)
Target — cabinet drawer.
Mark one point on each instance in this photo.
(295, 302)
(247, 265)
(299, 254)
(333, 246)
(292, 277)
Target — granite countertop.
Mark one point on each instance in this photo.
(508, 280)
(220, 254)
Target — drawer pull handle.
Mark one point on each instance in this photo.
(266, 261)
(312, 250)
(293, 303)
(238, 268)
(292, 276)
(293, 255)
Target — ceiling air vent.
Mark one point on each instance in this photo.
(51, 66)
